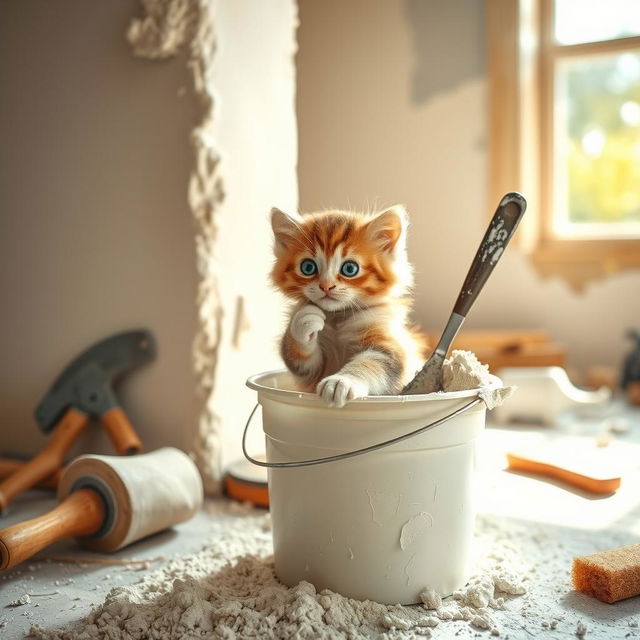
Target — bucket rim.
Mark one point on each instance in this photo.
(254, 382)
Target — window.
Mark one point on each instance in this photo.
(564, 100)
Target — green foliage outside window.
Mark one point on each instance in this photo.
(602, 129)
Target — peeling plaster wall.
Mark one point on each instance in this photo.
(96, 235)
(391, 107)
(129, 199)
(245, 150)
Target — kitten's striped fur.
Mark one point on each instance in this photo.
(347, 337)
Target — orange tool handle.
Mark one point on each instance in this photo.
(80, 514)
(588, 483)
(121, 432)
(9, 467)
(50, 459)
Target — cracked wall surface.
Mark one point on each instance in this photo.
(240, 56)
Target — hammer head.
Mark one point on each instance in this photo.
(87, 381)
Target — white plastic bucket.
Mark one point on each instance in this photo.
(381, 526)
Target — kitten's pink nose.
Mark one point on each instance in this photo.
(326, 288)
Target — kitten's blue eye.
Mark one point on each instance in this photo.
(349, 269)
(308, 267)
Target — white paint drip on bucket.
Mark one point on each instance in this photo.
(381, 526)
(414, 528)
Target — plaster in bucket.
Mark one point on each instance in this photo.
(380, 526)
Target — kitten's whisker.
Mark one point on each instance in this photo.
(352, 307)
(355, 305)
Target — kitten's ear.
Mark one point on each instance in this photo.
(285, 228)
(387, 227)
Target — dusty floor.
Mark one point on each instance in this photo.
(62, 592)
(551, 523)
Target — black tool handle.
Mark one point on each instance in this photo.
(501, 228)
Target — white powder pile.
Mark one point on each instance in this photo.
(229, 590)
(464, 371)
(475, 602)
(22, 600)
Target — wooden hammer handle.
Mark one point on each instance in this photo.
(50, 459)
(9, 467)
(80, 514)
(121, 432)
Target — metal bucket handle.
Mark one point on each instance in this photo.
(348, 454)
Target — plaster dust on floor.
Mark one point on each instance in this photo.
(215, 579)
(229, 590)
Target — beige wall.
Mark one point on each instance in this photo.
(96, 234)
(391, 107)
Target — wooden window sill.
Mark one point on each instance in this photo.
(580, 262)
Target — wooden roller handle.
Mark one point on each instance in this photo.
(80, 514)
(121, 432)
(9, 467)
(48, 461)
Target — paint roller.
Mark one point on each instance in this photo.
(108, 502)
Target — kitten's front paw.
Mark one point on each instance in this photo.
(337, 389)
(306, 324)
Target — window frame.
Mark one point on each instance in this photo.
(521, 57)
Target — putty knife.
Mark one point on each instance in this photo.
(495, 240)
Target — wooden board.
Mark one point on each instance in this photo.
(510, 348)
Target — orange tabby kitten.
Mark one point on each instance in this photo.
(348, 273)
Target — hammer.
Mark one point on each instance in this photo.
(109, 502)
(84, 390)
